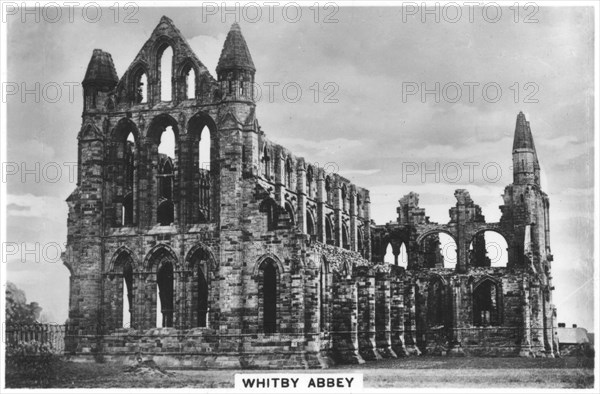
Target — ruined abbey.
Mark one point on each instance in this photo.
(250, 257)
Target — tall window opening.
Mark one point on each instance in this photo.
(438, 250)
(266, 159)
(289, 174)
(202, 298)
(290, 213)
(141, 88)
(164, 282)
(190, 83)
(120, 285)
(328, 191)
(359, 241)
(269, 293)
(166, 177)
(204, 145)
(269, 207)
(436, 305)
(328, 231)
(486, 297)
(203, 153)
(199, 284)
(129, 164)
(127, 294)
(488, 249)
(345, 237)
(403, 256)
(389, 254)
(204, 160)
(127, 218)
(165, 213)
(166, 74)
(309, 182)
(310, 224)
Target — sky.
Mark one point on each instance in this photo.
(352, 102)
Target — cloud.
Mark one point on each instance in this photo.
(208, 49)
(43, 208)
(362, 172)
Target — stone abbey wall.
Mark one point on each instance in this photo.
(263, 260)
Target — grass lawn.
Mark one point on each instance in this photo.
(441, 372)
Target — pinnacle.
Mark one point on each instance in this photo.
(101, 69)
(235, 53)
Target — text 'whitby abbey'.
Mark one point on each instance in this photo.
(262, 260)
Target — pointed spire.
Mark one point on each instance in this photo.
(165, 19)
(101, 70)
(235, 53)
(523, 138)
(526, 167)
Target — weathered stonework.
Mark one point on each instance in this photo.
(264, 261)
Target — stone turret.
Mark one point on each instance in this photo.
(100, 78)
(235, 70)
(101, 70)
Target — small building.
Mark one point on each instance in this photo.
(573, 340)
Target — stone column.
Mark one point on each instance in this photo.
(279, 168)
(353, 222)
(397, 317)
(147, 302)
(410, 323)
(554, 337)
(337, 208)
(149, 185)
(537, 320)
(526, 321)
(455, 348)
(383, 336)
(344, 333)
(366, 317)
(367, 240)
(321, 198)
(548, 326)
(462, 241)
(301, 190)
(311, 319)
(296, 323)
(181, 318)
(187, 192)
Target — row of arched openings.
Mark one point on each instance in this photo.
(289, 182)
(165, 153)
(273, 218)
(438, 250)
(198, 285)
(164, 70)
(163, 261)
(486, 304)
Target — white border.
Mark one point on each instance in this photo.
(103, 3)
